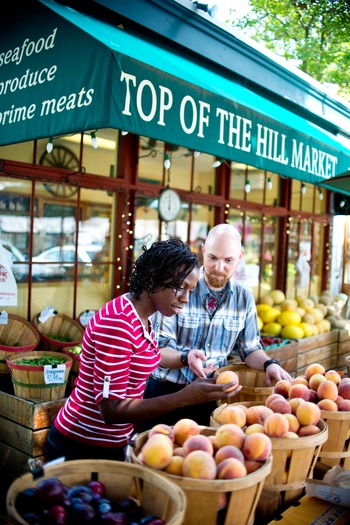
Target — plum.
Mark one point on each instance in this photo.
(97, 487)
(150, 519)
(81, 492)
(27, 501)
(56, 515)
(115, 518)
(50, 491)
(83, 513)
(130, 507)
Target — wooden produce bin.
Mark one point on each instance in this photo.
(322, 348)
(24, 426)
(343, 351)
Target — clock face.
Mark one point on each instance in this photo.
(169, 205)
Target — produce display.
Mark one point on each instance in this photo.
(53, 503)
(300, 317)
(186, 450)
(42, 361)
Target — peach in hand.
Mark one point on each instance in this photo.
(228, 376)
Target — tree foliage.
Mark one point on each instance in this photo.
(314, 34)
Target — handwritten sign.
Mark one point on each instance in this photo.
(54, 374)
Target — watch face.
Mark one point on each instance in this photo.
(169, 205)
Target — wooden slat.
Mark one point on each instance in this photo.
(14, 462)
(23, 438)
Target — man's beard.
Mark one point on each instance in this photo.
(217, 282)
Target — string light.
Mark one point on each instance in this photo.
(303, 188)
(320, 194)
(247, 186)
(124, 132)
(94, 142)
(269, 183)
(167, 162)
(342, 204)
(196, 154)
(49, 145)
(217, 163)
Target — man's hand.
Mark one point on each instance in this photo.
(196, 362)
(275, 373)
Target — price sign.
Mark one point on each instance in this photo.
(54, 374)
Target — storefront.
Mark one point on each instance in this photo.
(162, 114)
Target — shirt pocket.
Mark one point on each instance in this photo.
(191, 331)
(230, 331)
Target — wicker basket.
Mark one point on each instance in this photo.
(253, 383)
(156, 494)
(203, 496)
(293, 461)
(32, 381)
(336, 450)
(18, 335)
(59, 326)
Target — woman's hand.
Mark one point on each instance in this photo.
(204, 390)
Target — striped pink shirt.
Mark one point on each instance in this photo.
(118, 355)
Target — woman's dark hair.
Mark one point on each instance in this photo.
(165, 264)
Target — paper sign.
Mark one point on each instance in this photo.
(8, 285)
(54, 374)
(4, 317)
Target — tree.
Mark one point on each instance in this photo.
(314, 34)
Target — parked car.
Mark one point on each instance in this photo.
(61, 259)
(20, 266)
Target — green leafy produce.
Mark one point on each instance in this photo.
(42, 361)
(62, 338)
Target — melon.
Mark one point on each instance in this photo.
(307, 328)
(262, 307)
(292, 332)
(277, 296)
(270, 315)
(260, 323)
(272, 329)
(289, 318)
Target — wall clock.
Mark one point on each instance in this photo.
(60, 157)
(169, 205)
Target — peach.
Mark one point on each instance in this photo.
(223, 500)
(315, 380)
(339, 399)
(252, 465)
(229, 434)
(232, 414)
(178, 451)
(290, 435)
(200, 465)
(293, 422)
(333, 375)
(327, 390)
(183, 429)
(228, 451)
(257, 414)
(272, 397)
(228, 376)
(344, 405)
(344, 389)
(255, 427)
(314, 368)
(175, 466)
(299, 380)
(157, 451)
(282, 387)
(294, 403)
(327, 404)
(313, 396)
(308, 430)
(161, 428)
(231, 468)
(197, 442)
(281, 406)
(276, 425)
(299, 390)
(213, 442)
(308, 413)
(257, 447)
(243, 407)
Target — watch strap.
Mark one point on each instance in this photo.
(271, 362)
(184, 357)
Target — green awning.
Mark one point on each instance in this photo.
(339, 183)
(64, 72)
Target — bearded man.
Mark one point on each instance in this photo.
(220, 320)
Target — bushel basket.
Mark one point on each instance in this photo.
(156, 494)
(17, 336)
(59, 331)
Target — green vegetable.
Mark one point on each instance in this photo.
(42, 361)
(62, 338)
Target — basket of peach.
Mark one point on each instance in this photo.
(330, 393)
(222, 471)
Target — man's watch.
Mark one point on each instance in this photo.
(271, 362)
(184, 357)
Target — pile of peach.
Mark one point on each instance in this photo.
(325, 389)
(185, 450)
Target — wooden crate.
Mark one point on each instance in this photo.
(24, 426)
(322, 348)
(343, 350)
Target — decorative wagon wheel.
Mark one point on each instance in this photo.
(60, 157)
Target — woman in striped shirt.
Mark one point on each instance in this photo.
(120, 352)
